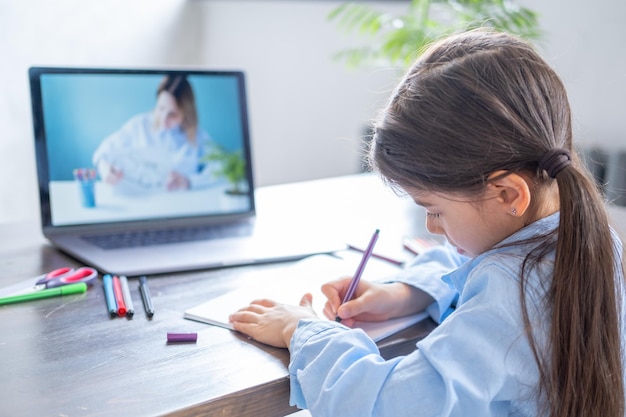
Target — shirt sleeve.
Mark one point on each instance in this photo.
(425, 273)
(120, 141)
(477, 362)
(339, 372)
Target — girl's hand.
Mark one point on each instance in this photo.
(373, 301)
(272, 323)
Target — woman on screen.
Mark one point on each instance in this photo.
(163, 149)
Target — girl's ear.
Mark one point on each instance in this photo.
(512, 191)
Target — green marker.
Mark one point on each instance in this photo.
(77, 288)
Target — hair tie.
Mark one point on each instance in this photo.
(554, 161)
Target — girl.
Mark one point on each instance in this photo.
(479, 133)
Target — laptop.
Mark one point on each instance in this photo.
(149, 171)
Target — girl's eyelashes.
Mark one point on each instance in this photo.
(432, 214)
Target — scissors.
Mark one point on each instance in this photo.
(60, 281)
(65, 276)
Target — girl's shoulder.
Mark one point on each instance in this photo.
(499, 273)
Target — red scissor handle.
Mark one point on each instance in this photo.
(59, 272)
(57, 278)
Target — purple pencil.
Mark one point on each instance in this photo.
(359, 271)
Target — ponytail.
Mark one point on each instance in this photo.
(582, 375)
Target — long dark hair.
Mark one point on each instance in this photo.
(481, 102)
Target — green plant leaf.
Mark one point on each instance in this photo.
(231, 165)
(397, 40)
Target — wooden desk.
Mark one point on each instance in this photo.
(66, 357)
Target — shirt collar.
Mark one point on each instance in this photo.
(458, 277)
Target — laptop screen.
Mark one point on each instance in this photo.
(117, 145)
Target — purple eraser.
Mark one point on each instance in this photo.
(181, 337)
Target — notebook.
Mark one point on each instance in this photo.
(147, 171)
(288, 284)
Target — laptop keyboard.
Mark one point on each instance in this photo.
(159, 237)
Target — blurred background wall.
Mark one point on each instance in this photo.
(307, 112)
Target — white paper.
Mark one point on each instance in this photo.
(289, 284)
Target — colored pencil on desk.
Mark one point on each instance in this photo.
(119, 296)
(107, 281)
(128, 300)
(376, 255)
(417, 245)
(145, 296)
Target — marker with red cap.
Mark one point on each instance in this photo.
(119, 296)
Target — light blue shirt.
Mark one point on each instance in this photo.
(147, 156)
(425, 273)
(477, 362)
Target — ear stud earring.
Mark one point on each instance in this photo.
(514, 211)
